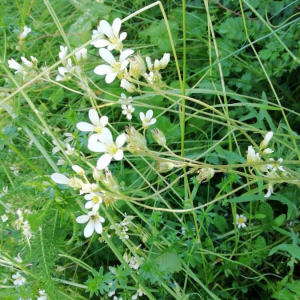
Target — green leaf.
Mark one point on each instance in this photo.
(169, 262)
(158, 34)
(294, 251)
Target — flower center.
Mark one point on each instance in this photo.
(240, 220)
(94, 217)
(112, 149)
(98, 129)
(95, 199)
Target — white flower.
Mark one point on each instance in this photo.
(69, 137)
(270, 190)
(139, 293)
(112, 32)
(266, 140)
(19, 279)
(268, 151)
(16, 170)
(94, 223)
(12, 64)
(62, 179)
(25, 32)
(98, 125)
(4, 218)
(147, 119)
(115, 68)
(97, 33)
(26, 62)
(78, 170)
(81, 55)
(43, 295)
(110, 149)
(94, 201)
(70, 150)
(56, 148)
(62, 74)
(124, 100)
(110, 294)
(5, 189)
(63, 52)
(276, 165)
(126, 85)
(159, 137)
(158, 64)
(60, 162)
(241, 221)
(27, 230)
(87, 188)
(18, 258)
(127, 110)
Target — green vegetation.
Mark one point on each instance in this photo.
(149, 150)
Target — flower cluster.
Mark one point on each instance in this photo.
(20, 223)
(269, 167)
(28, 69)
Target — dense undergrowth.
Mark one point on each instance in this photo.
(175, 175)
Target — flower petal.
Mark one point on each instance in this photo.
(107, 136)
(96, 207)
(60, 178)
(120, 140)
(149, 114)
(142, 116)
(104, 121)
(107, 56)
(94, 117)
(97, 147)
(125, 54)
(116, 26)
(89, 204)
(152, 121)
(109, 78)
(94, 138)
(89, 228)
(82, 219)
(98, 227)
(104, 161)
(84, 126)
(123, 36)
(119, 155)
(107, 29)
(103, 70)
(100, 43)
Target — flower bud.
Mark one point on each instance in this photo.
(110, 182)
(75, 183)
(130, 88)
(97, 174)
(78, 170)
(205, 174)
(137, 67)
(159, 137)
(135, 139)
(266, 140)
(163, 167)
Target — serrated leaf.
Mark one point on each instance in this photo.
(294, 251)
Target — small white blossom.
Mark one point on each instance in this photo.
(4, 218)
(87, 188)
(63, 52)
(158, 64)
(62, 179)
(15, 170)
(43, 295)
(78, 170)
(18, 258)
(270, 190)
(124, 100)
(94, 223)
(70, 150)
(69, 137)
(264, 144)
(147, 119)
(81, 55)
(94, 201)
(115, 68)
(110, 148)
(241, 221)
(25, 32)
(126, 85)
(139, 293)
(127, 110)
(19, 279)
(97, 126)
(56, 148)
(60, 162)
(12, 64)
(97, 33)
(276, 165)
(112, 32)
(62, 71)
